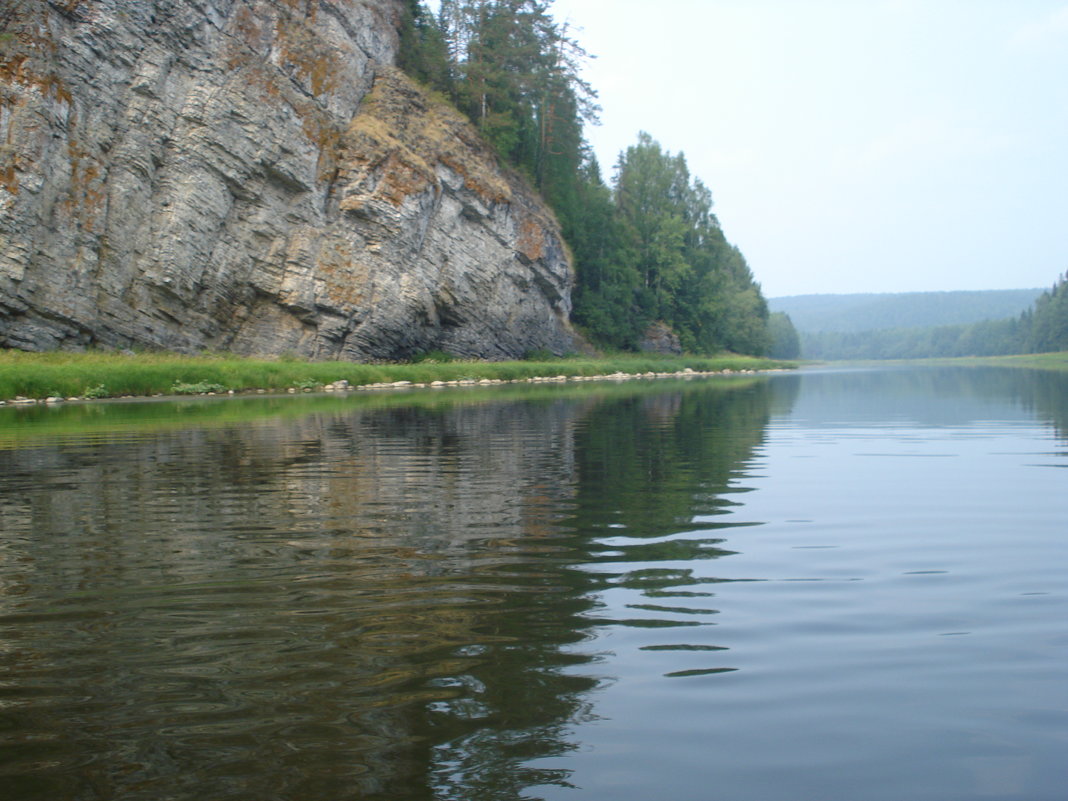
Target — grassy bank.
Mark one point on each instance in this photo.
(40, 423)
(1031, 361)
(106, 374)
(1041, 361)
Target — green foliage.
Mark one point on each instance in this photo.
(423, 53)
(1041, 329)
(983, 339)
(126, 418)
(515, 73)
(39, 375)
(785, 342)
(649, 248)
(867, 311)
(433, 357)
(1048, 322)
(659, 254)
(198, 388)
(634, 464)
(539, 355)
(93, 393)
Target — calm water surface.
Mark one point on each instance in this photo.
(837, 585)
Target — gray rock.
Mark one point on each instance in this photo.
(659, 338)
(254, 176)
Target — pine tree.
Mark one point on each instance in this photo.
(648, 249)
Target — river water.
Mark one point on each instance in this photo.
(834, 585)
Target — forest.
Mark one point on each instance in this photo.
(1042, 328)
(648, 250)
(870, 311)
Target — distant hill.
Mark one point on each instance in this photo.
(867, 312)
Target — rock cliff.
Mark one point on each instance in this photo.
(255, 176)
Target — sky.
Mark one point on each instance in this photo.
(852, 145)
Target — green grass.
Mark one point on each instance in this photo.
(107, 374)
(40, 423)
(1042, 361)
(1034, 361)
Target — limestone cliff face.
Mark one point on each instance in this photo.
(254, 176)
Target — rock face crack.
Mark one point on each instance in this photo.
(234, 174)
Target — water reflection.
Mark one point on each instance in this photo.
(357, 602)
(933, 396)
(657, 476)
(428, 597)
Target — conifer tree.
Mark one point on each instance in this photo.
(647, 249)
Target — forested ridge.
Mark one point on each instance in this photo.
(870, 311)
(646, 245)
(1042, 328)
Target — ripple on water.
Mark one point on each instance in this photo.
(643, 595)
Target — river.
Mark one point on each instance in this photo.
(828, 585)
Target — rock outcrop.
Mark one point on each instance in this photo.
(254, 176)
(659, 338)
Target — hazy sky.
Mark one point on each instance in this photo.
(852, 145)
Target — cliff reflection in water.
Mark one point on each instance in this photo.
(358, 603)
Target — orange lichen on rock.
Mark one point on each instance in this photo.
(14, 70)
(410, 133)
(311, 7)
(346, 278)
(531, 239)
(316, 123)
(225, 179)
(249, 36)
(304, 51)
(27, 49)
(86, 195)
(484, 182)
(324, 134)
(297, 46)
(401, 179)
(8, 180)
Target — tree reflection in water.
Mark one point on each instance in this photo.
(355, 603)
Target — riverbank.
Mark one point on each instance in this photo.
(1057, 361)
(1040, 361)
(60, 377)
(1032, 361)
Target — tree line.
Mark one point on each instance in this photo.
(647, 247)
(871, 311)
(1041, 329)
